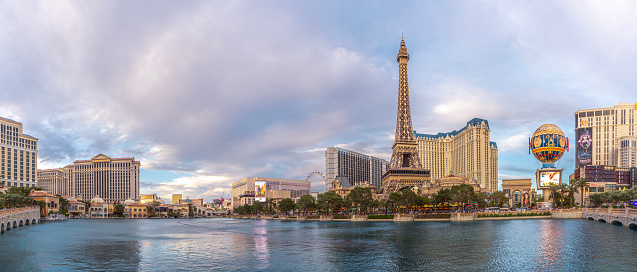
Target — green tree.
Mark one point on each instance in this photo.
(269, 206)
(443, 196)
(394, 201)
(498, 198)
(191, 212)
(462, 194)
(582, 183)
(87, 205)
(596, 199)
(329, 202)
(23, 191)
(152, 208)
(480, 200)
(361, 198)
(41, 203)
(118, 210)
(572, 189)
(409, 199)
(384, 204)
(64, 205)
(286, 205)
(306, 203)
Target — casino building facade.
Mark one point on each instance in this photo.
(468, 152)
(112, 179)
(607, 136)
(19, 155)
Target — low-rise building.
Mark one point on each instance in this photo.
(99, 208)
(52, 202)
(76, 208)
(341, 186)
(182, 210)
(136, 210)
(165, 211)
(449, 181)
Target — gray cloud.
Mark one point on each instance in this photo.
(250, 89)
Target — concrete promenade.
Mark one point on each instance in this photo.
(16, 217)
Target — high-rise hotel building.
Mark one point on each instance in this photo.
(607, 136)
(468, 152)
(358, 168)
(19, 155)
(56, 181)
(112, 179)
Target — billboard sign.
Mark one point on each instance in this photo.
(584, 147)
(259, 191)
(549, 177)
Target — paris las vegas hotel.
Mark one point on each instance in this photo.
(468, 152)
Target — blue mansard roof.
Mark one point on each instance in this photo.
(473, 122)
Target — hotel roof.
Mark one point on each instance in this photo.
(10, 120)
(473, 123)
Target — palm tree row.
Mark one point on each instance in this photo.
(574, 186)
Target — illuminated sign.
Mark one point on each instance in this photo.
(259, 191)
(584, 123)
(584, 148)
(549, 177)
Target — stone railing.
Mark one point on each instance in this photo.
(5, 211)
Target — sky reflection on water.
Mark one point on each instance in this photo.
(272, 245)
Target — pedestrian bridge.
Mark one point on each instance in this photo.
(625, 217)
(16, 217)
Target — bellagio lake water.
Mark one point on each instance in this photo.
(215, 244)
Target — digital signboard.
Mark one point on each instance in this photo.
(549, 177)
(259, 191)
(584, 147)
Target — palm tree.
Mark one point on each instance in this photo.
(557, 190)
(572, 188)
(582, 183)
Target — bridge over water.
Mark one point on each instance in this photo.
(16, 217)
(625, 217)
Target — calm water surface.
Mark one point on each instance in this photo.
(213, 244)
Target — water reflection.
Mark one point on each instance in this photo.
(261, 247)
(272, 245)
(549, 244)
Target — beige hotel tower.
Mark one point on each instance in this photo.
(19, 155)
(468, 152)
(112, 179)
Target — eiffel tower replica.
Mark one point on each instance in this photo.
(405, 169)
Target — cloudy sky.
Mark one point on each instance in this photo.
(205, 93)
